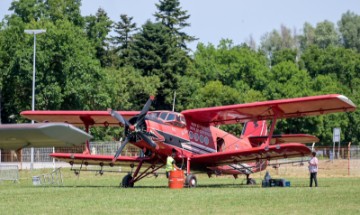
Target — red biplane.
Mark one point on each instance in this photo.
(201, 146)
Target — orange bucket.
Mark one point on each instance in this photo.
(176, 179)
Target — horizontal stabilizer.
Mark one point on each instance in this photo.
(17, 136)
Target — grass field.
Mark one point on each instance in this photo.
(92, 194)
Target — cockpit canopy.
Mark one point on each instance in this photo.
(170, 117)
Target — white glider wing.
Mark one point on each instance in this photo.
(17, 136)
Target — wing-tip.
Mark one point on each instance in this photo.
(346, 100)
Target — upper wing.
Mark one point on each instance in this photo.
(78, 118)
(17, 136)
(252, 154)
(284, 108)
(284, 138)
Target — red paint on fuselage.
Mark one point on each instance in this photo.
(189, 138)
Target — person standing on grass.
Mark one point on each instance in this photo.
(170, 163)
(313, 169)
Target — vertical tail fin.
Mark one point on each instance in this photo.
(255, 128)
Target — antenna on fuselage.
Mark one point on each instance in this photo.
(173, 109)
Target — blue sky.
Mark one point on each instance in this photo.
(212, 20)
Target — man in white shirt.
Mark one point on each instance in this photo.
(313, 168)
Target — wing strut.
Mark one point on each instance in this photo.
(87, 143)
(277, 113)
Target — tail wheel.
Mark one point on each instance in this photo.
(191, 181)
(126, 182)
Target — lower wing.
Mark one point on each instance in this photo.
(271, 152)
(101, 160)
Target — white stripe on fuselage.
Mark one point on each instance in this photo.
(200, 148)
(205, 148)
(193, 149)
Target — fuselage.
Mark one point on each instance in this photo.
(170, 130)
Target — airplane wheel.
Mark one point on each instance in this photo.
(190, 181)
(126, 181)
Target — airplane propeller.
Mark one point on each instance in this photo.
(119, 117)
(132, 131)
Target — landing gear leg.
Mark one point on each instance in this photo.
(250, 181)
(130, 179)
(190, 180)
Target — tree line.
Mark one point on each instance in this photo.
(93, 63)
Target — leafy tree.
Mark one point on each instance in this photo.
(154, 53)
(229, 64)
(204, 63)
(34, 10)
(251, 42)
(124, 29)
(270, 42)
(71, 59)
(214, 93)
(175, 19)
(326, 34)
(187, 86)
(336, 61)
(284, 55)
(97, 28)
(278, 40)
(128, 89)
(308, 36)
(289, 40)
(351, 132)
(12, 68)
(67, 72)
(248, 94)
(286, 80)
(326, 84)
(64, 9)
(349, 26)
(27, 10)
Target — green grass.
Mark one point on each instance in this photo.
(92, 194)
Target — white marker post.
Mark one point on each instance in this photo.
(336, 138)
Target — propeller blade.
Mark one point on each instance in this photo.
(118, 152)
(147, 139)
(145, 109)
(118, 116)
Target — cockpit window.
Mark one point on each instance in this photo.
(153, 115)
(176, 119)
(163, 115)
(170, 117)
(182, 119)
